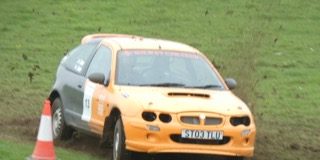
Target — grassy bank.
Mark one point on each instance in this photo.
(13, 150)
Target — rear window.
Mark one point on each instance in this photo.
(78, 58)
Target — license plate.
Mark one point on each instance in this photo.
(202, 134)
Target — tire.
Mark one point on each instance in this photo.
(119, 151)
(59, 127)
(235, 158)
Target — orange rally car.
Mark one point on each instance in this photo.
(149, 95)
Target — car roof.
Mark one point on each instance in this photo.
(127, 42)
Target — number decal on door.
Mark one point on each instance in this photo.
(87, 101)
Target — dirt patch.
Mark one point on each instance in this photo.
(30, 121)
(26, 128)
(22, 128)
(312, 149)
(295, 146)
(89, 144)
(85, 143)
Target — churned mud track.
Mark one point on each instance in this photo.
(85, 143)
(25, 128)
(90, 144)
(20, 128)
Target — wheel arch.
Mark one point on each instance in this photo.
(67, 131)
(53, 95)
(109, 124)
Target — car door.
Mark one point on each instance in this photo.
(96, 95)
(72, 77)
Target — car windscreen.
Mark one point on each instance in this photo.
(165, 69)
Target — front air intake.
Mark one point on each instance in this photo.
(165, 118)
(149, 116)
(235, 121)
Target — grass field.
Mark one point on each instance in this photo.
(12, 150)
(272, 47)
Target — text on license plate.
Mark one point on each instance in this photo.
(202, 134)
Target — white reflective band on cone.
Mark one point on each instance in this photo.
(45, 130)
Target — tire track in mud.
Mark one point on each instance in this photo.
(27, 129)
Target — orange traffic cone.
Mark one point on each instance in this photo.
(44, 149)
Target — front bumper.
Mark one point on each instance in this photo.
(167, 139)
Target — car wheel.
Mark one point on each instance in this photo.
(119, 148)
(235, 158)
(60, 130)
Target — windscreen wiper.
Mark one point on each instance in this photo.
(168, 84)
(206, 86)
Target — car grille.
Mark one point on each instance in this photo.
(177, 138)
(212, 121)
(195, 120)
(190, 120)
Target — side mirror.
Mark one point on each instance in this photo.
(97, 78)
(231, 83)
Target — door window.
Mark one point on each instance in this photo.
(101, 62)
